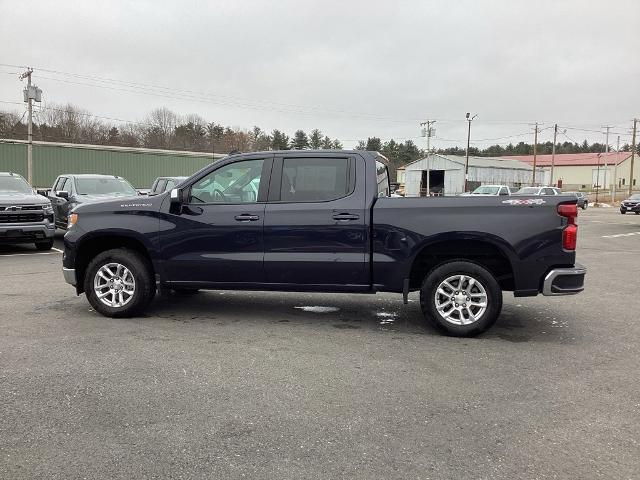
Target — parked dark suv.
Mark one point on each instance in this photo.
(631, 204)
(71, 190)
(583, 200)
(25, 216)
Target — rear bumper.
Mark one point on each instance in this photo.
(26, 233)
(564, 281)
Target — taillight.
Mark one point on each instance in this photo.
(570, 232)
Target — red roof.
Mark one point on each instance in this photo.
(568, 159)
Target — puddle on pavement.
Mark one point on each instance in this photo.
(318, 309)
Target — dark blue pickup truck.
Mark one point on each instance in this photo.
(322, 221)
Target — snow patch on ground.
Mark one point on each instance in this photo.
(386, 317)
(318, 309)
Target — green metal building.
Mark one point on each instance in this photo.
(140, 166)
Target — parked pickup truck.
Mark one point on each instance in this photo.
(322, 221)
(25, 216)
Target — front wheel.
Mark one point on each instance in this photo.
(119, 283)
(461, 298)
(623, 212)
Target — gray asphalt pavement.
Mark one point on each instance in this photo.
(269, 385)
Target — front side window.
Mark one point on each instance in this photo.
(170, 185)
(237, 182)
(64, 185)
(314, 179)
(160, 186)
(382, 179)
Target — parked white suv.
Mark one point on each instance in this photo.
(491, 190)
(539, 191)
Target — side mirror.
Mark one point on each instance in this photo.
(177, 196)
(63, 194)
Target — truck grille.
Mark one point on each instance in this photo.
(20, 208)
(21, 217)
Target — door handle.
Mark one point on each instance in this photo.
(345, 216)
(245, 217)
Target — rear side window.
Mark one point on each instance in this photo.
(314, 179)
(382, 179)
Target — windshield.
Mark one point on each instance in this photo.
(486, 191)
(104, 186)
(635, 197)
(14, 184)
(528, 191)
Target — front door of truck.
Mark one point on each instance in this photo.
(60, 204)
(315, 229)
(216, 236)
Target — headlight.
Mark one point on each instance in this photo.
(48, 210)
(73, 219)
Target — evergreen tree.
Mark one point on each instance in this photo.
(315, 139)
(300, 140)
(279, 141)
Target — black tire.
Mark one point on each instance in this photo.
(487, 281)
(637, 213)
(45, 245)
(623, 213)
(584, 206)
(138, 265)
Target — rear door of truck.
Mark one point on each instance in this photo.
(315, 228)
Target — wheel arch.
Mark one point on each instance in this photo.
(484, 250)
(97, 243)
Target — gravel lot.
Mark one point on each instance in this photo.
(235, 385)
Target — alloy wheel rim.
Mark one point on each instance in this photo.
(461, 299)
(114, 285)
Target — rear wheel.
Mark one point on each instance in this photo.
(119, 283)
(461, 298)
(46, 245)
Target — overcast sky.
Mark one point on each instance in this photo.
(350, 68)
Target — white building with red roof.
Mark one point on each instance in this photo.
(585, 171)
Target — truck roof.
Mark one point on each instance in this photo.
(371, 153)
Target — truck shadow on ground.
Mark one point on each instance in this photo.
(385, 313)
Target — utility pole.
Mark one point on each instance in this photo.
(466, 162)
(29, 101)
(428, 131)
(633, 155)
(606, 151)
(598, 181)
(535, 154)
(615, 173)
(31, 93)
(553, 154)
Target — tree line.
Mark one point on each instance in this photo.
(164, 129)
(161, 128)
